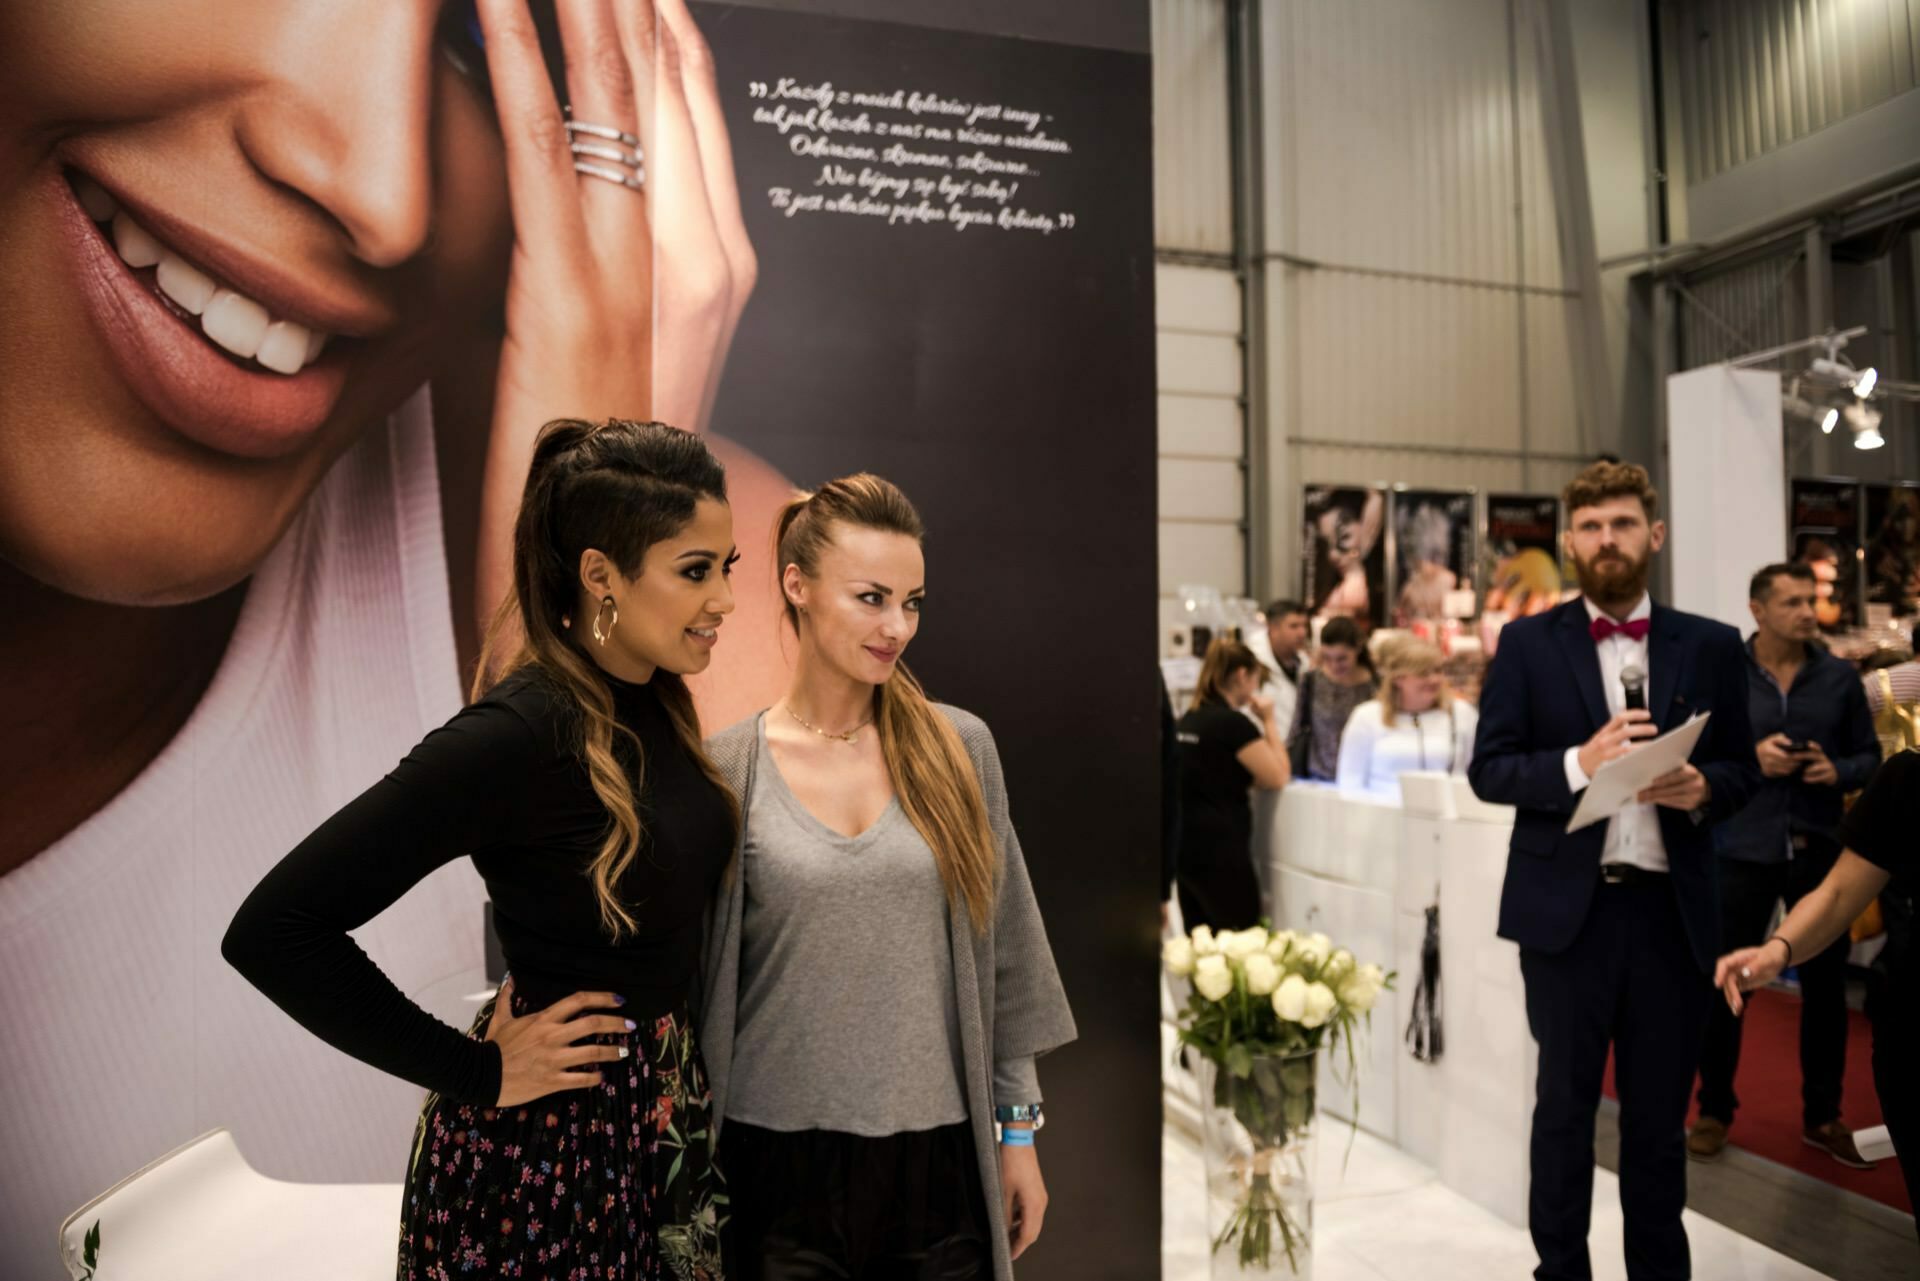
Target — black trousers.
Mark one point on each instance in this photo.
(810, 1205)
(1628, 981)
(1747, 894)
(1218, 887)
(1896, 1073)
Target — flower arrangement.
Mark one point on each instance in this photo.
(1264, 1004)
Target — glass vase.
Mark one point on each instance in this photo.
(1258, 1134)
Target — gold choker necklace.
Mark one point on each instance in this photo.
(848, 737)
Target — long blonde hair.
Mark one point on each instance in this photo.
(1410, 656)
(932, 775)
(618, 486)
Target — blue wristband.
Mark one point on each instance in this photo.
(1015, 1136)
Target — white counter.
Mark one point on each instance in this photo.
(1364, 872)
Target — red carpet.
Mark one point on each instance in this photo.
(1768, 1084)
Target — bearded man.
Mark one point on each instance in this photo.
(1617, 923)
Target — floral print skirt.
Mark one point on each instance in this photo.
(614, 1181)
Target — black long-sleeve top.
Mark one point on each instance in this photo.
(505, 781)
(1826, 704)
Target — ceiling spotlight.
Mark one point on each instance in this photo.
(1827, 423)
(1869, 439)
(1864, 384)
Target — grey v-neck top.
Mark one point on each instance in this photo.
(846, 1014)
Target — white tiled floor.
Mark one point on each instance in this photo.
(1386, 1217)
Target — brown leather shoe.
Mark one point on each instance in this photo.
(1708, 1139)
(1836, 1140)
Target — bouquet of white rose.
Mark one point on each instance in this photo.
(1263, 1005)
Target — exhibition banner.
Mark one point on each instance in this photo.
(1343, 552)
(1433, 555)
(1523, 551)
(293, 307)
(1893, 548)
(1824, 526)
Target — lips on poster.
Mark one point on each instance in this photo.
(1344, 554)
(265, 427)
(1523, 550)
(1825, 529)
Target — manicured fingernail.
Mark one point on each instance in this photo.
(631, 1025)
(623, 1051)
(619, 999)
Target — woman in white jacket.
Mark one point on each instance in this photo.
(1416, 723)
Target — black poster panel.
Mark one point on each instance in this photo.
(1433, 552)
(1825, 529)
(1523, 551)
(954, 235)
(1893, 547)
(1343, 550)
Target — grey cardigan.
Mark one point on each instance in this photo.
(1006, 986)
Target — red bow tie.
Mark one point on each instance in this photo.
(1604, 627)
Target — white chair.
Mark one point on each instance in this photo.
(202, 1213)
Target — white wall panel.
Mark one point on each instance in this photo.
(1553, 412)
(1334, 465)
(1399, 119)
(1210, 426)
(1196, 299)
(1202, 489)
(1191, 552)
(1761, 74)
(1199, 363)
(1192, 142)
(1402, 362)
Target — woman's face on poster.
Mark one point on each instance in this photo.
(229, 242)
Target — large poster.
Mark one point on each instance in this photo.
(1825, 529)
(1343, 570)
(292, 312)
(1893, 548)
(1433, 539)
(1523, 549)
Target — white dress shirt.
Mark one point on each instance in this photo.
(1284, 693)
(1633, 834)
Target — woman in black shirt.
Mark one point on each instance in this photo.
(1882, 838)
(1222, 753)
(567, 1132)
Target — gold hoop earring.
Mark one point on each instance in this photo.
(606, 603)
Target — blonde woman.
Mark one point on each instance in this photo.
(878, 978)
(1415, 723)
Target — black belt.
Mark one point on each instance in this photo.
(1628, 874)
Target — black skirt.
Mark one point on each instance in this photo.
(815, 1204)
(614, 1181)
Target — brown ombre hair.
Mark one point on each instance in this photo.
(932, 774)
(619, 487)
(1225, 658)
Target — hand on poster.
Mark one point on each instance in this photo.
(621, 300)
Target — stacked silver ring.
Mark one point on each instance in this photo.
(628, 167)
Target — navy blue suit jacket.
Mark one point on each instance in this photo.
(1543, 695)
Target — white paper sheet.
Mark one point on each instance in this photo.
(1618, 782)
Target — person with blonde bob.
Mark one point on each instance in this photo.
(1230, 741)
(878, 979)
(1416, 722)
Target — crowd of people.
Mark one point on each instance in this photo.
(1802, 796)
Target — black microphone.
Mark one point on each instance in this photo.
(1633, 681)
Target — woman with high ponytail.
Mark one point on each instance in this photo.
(878, 981)
(567, 1132)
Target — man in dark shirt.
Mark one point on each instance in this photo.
(1815, 744)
